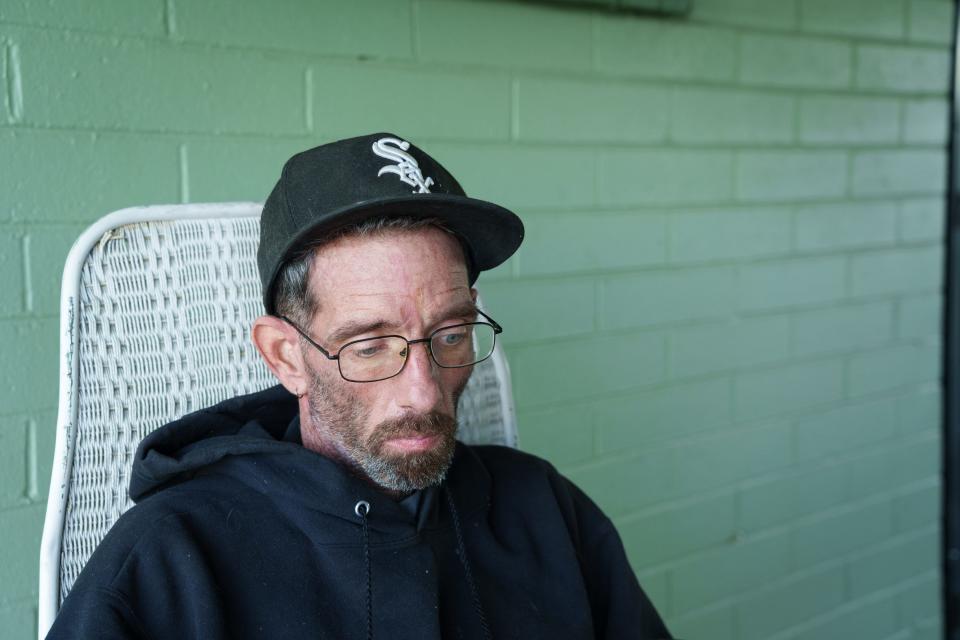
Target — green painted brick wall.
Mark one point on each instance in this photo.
(724, 323)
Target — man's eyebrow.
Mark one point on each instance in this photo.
(464, 309)
(356, 327)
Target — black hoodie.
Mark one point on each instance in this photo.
(241, 532)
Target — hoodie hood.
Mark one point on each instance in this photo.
(235, 439)
(243, 425)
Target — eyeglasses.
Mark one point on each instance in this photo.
(382, 357)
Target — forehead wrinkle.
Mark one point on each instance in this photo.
(340, 250)
(374, 279)
(397, 314)
(420, 294)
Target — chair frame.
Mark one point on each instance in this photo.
(102, 229)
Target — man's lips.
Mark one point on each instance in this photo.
(414, 444)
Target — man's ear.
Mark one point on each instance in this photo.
(279, 346)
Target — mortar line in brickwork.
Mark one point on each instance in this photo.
(733, 429)
(772, 259)
(902, 123)
(797, 123)
(578, 75)
(588, 77)
(737, 65)
(33, 486)
(415, 29)
(722, 431)
(813, 37)
(27, 275)
(631, 392)
(668, 345)
(598, 304)
(308, 98)
(177, 41)
(747, 594)
(170, 26)
(25, 412)
(683, 207)
(169, 18)
(163, 134)
(780, 528)
(742, 146)
(737, 498)
(799, 33)
(840, 510)
(892, 539)
(592, 49)
(184, 174)
(854, 68)
(899, 391)
(670, 593)
(14, 83)
(800, 473)
(851, 166)
(849, 90)
(850, 604)
(5, 71)
(905, 8)
(676, 503)
(535, 145)
(514, 108)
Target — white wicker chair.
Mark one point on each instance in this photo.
(155, 313)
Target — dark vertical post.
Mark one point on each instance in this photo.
(951, 369)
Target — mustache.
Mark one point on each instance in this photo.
(427, 424)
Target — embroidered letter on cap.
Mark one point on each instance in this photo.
(406, 167)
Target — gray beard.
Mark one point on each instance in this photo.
(343, 419)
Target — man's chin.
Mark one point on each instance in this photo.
(411, 466)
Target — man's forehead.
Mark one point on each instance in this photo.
(426, 263)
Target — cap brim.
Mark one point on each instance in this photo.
(491, 233)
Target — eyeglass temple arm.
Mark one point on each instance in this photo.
(309, 339)
(496, 326)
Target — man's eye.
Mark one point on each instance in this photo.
(368, 350)
(452, 339)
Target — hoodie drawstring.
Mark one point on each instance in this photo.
(362, 508)
(462, 554)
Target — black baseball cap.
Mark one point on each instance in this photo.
(378, 175)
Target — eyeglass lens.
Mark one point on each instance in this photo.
(384, 357)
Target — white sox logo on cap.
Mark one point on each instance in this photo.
(407, 167)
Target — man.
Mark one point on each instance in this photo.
(339, 505)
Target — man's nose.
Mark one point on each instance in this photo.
(420, 379)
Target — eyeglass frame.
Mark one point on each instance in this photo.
(497, 329)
